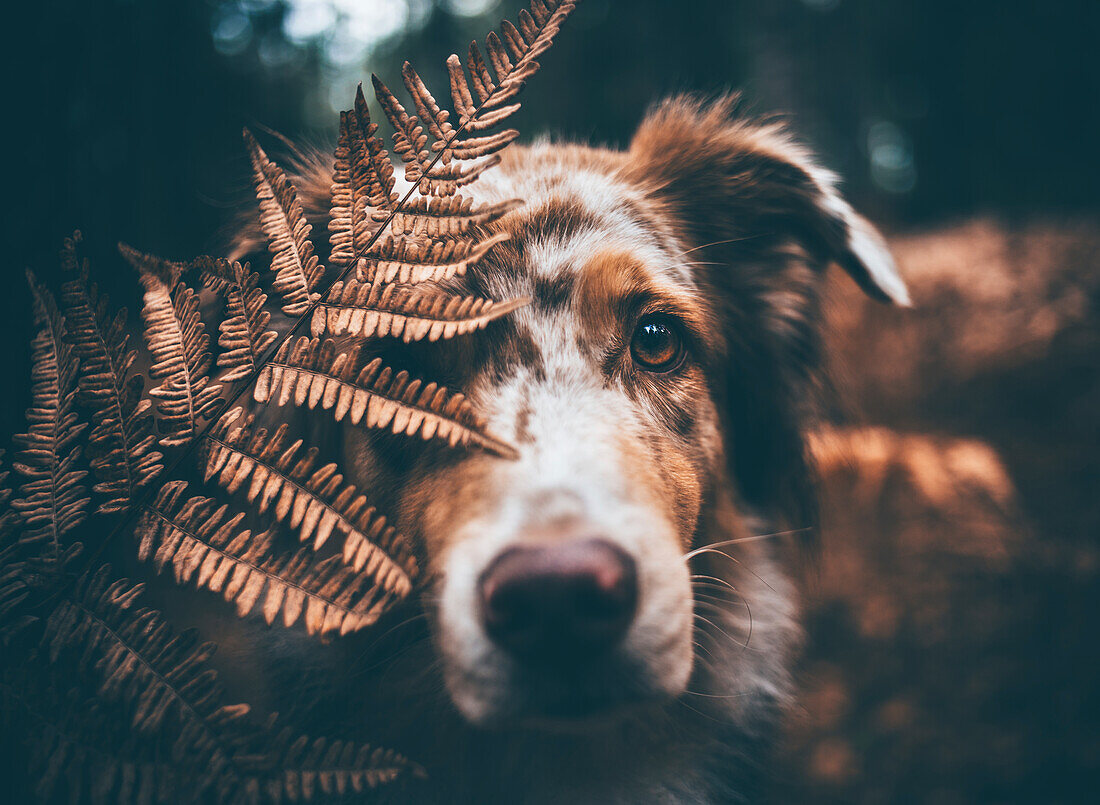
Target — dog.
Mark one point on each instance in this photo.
(610, 618)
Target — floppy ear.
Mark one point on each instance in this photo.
(725, 177)
(759, 222)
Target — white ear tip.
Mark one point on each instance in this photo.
(898, 292)
(883, 271)
(869, 248)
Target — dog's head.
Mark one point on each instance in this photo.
(660, 374)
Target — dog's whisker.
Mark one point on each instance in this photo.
(698, 578)
(753, 538)
(704, 649)
(708, 622)
(717, 594)
(715, 600)
(701, 602)
(720, 602)
(716, 695)
(388, 663)
(737, 561)
(717, 612)
(715, 589)
(689, 263)
(709, 618)
(707, 716)
(748, 637)
(718, 243)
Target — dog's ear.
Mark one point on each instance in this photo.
(726, 178)
(759, 222)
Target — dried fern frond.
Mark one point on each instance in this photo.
(118, 707)
(371, 310)
(305, 768)
(201, 543)
(362, 184)
(409, 141)
(409, 260)
(314, 500)
(433, 240)
(243, 339)
(297, 270)
(483, 107)
(15, 588)
(216, 273)
(464, 158)
(452, 216)
(5, 494)
(121, 443)
(167, 271)
(136, 661)
(180, 348)
(311, 373)
(83, 752)
(53, 499)
(34, 560)
(363, 199)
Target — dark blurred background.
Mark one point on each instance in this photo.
(124, 120)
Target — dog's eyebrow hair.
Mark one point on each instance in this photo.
(562, 218)
(555, 292)
(558, 217)
(654, 225)
(510, 348)
(613, 279)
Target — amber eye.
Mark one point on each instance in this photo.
(657, 345)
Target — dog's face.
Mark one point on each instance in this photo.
(640, 387)
(561, 587)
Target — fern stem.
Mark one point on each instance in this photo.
(303, 319)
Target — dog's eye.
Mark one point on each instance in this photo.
(657, 345)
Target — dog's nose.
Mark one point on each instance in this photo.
(559, 603)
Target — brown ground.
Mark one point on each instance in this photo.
(952, 656)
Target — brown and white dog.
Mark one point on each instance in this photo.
(604, 622)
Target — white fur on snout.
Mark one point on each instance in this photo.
(570, 471)
(570, 465)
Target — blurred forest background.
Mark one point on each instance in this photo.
(124, 120)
